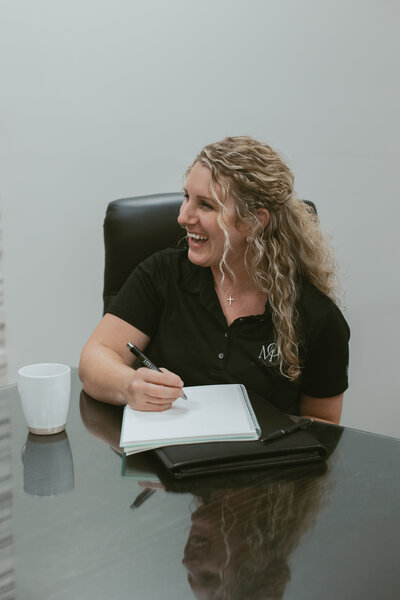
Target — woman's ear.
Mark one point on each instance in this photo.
(263, 216)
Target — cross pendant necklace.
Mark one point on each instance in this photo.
(230, 300)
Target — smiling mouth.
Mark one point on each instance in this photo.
(196, 237)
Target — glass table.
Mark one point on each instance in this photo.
(74, 524)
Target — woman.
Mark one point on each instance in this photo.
(252, 299)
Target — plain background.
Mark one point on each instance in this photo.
(102, 100)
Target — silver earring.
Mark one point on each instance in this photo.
(248, 239)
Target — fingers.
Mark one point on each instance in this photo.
(171, 378)
(160, 386)
(152, 406)
(154, 391)
(151, 485)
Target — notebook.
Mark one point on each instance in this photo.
(212, 413)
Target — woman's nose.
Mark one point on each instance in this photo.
(186, 214)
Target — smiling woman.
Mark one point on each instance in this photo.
(251, 300)
(209, 223)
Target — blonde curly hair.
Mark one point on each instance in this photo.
(250, 533)
(290, 248)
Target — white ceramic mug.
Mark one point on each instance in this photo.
(45, 389)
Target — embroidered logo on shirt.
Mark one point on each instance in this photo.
(269, 353)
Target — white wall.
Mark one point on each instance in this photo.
(102, 100)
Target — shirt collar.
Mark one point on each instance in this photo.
(199, 280)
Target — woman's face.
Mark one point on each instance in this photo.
(199, 215)
(209, 561)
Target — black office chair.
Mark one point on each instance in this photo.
(135, 228)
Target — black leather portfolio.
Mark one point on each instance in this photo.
(300, 446)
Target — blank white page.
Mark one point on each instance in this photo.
(211, 412)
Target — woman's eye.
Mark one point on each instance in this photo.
(206, 206)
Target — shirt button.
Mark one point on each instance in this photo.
(220, 355)
(226, 334)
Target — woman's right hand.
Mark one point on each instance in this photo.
(154, 391)
(106, 370)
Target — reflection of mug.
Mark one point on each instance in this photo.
(45, 390)
(48, 465)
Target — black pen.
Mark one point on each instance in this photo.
(147, 363)
(142, 497)
(304, 424)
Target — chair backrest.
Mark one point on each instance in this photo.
(135, 228)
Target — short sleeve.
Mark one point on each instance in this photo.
(141, 299)
(325, 371)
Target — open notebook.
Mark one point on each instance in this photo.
(211, 413)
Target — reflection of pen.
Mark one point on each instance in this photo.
(142, 497)
(281, 432)
(147, 363)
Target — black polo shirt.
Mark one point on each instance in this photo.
(174, 302)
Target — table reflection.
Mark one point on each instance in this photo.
(48, 464)
(244, 526)
(240, 539)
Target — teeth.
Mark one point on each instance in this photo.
(197, 237)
